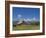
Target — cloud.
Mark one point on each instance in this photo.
(19, 15)
(34, 18)
(27, 19)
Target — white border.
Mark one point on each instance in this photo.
(25, 31)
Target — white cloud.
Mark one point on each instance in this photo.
(27, 19)
(19, 15)
(34, 18)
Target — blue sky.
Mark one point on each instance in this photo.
(20, 12)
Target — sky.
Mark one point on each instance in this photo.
(26, 13)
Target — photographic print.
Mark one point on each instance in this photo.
(24, 18)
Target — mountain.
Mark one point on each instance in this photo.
(26, 21)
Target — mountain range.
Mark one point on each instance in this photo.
(25, 21)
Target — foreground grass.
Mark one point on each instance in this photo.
(27, 27)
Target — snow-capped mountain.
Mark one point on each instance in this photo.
(25, 21)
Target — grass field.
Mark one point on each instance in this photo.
(27, 27)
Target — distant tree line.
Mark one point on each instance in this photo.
(35, 23)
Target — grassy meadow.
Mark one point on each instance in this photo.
(26, 27)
